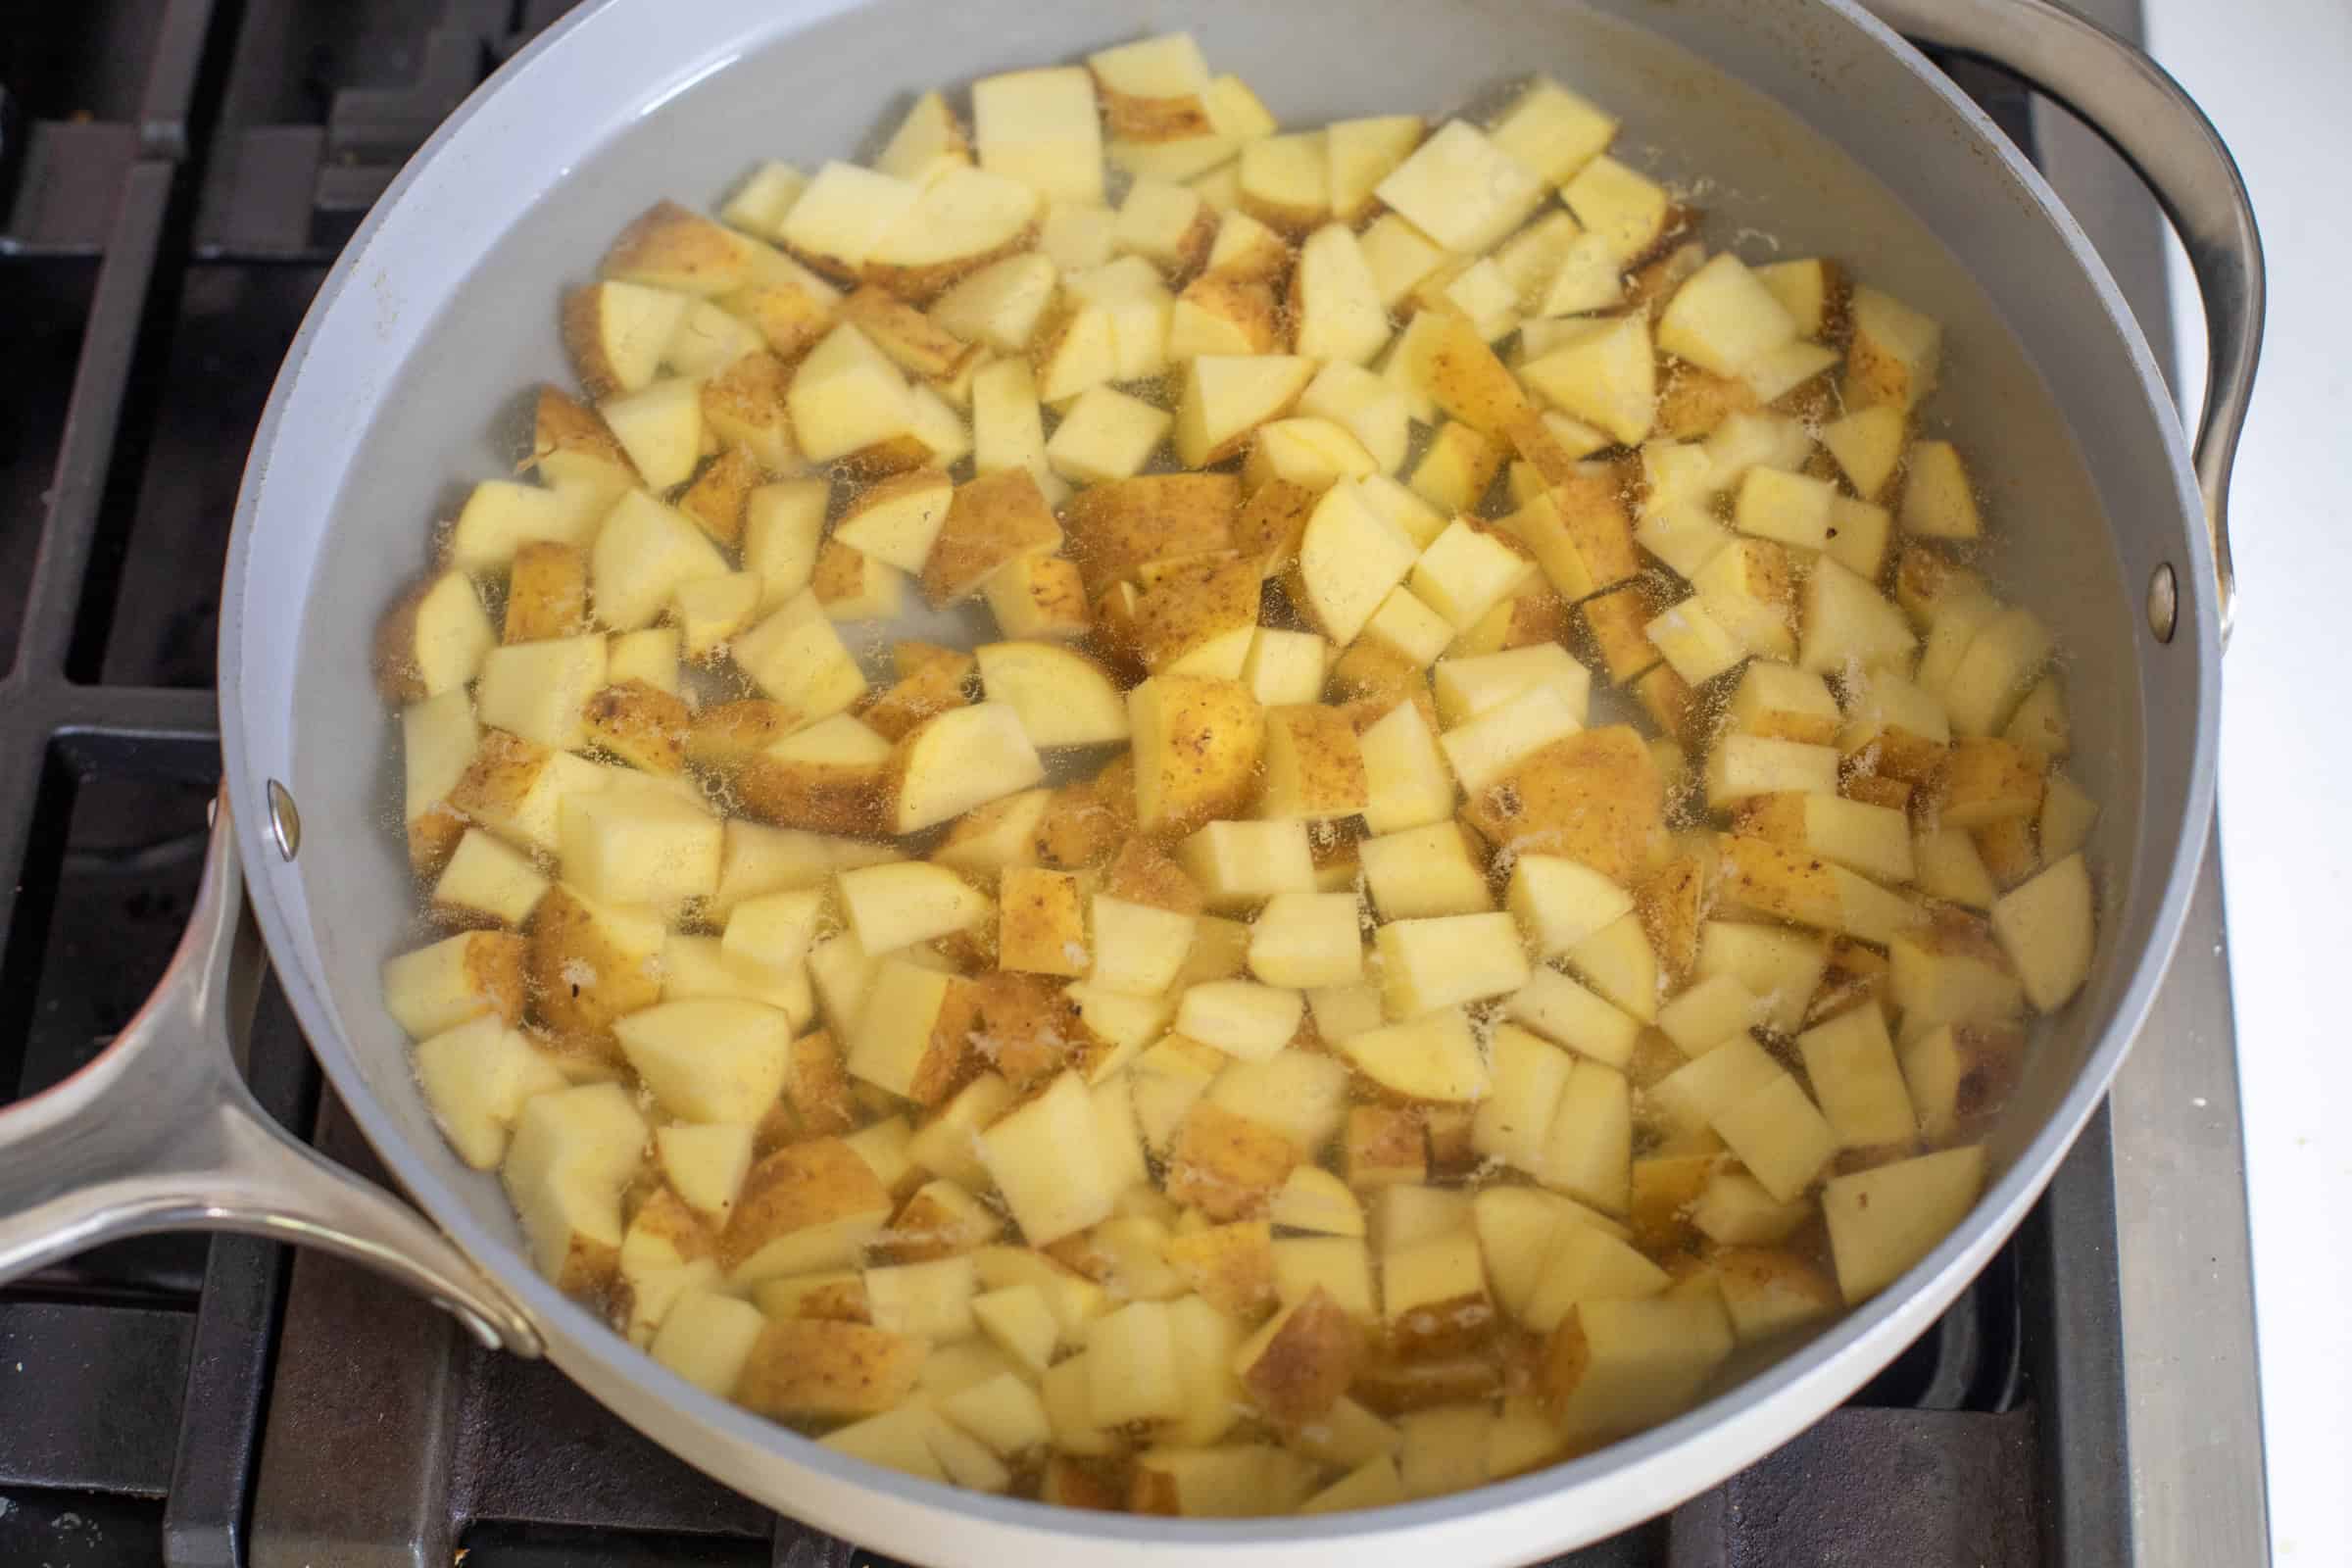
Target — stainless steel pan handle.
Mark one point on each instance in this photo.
(160, 1134)
(2156, 127)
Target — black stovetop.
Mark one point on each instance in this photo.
(176, 175)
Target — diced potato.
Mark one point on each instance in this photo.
(1462, 189)
(1431, 1056)
(1884, 1219)
(1437, 961)
(1894, 354)
(1225, 398)
(1618, 1366)
(1603, 372)
(1042, 1158)
(1306, 940)
(1558, 902)
(1852, 1064)
(1336, 301)
(487, 882)
(1239, 1017)
(2046, 927)
(1040, 129)
(1723, 318)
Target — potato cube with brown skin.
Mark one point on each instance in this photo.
(1038, 596)
(590, 964)
(1616, 625)
(831, 777)
(573, 450)
(437, 988)
(1302, 1361)
(911, 1034)
(1218, 314)
(1198, 743)
(615, 333)
(1043, 924)
(1230, 1266)
(1116, 527)
(991, 521)
(1870, 839)
(643, 727)
(1594, 797)
(1987, 780)
(1381, 1145)
(1893, 357)
(547, 591)
(1227, 1165)
(1314, 765)
(573, 1153)
(434, 639)
(486, 883)
(805, 1208)
(817, 1369)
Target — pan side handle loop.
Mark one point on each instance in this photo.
(160, 1134)
(2112, 87)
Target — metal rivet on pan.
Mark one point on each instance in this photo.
(2164, 603)
(285, 823)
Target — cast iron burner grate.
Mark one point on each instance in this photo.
(176, 175)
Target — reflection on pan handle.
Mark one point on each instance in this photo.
(160, 1134)
(2157, 128)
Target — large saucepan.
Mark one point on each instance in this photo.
(1815, 122)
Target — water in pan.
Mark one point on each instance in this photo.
(959, 630)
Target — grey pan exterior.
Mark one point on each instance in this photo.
(1810, 119)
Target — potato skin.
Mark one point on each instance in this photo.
(1227, 1165)
(799, 1185)
(547, 591)
(993, 520)
(1309, 1363)
(579, 983)
(643, 725)
(823, 1369)
(670, 247)
(1197, 745)
(715, 500)
(1192, 605)
(1116, 527)
(820, 796)
(731, 734)
(1594, 797)
(576, 437)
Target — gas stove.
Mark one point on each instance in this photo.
(176, 175)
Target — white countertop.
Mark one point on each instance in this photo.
(2276, 79)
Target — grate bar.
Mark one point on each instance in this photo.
(170, 91)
